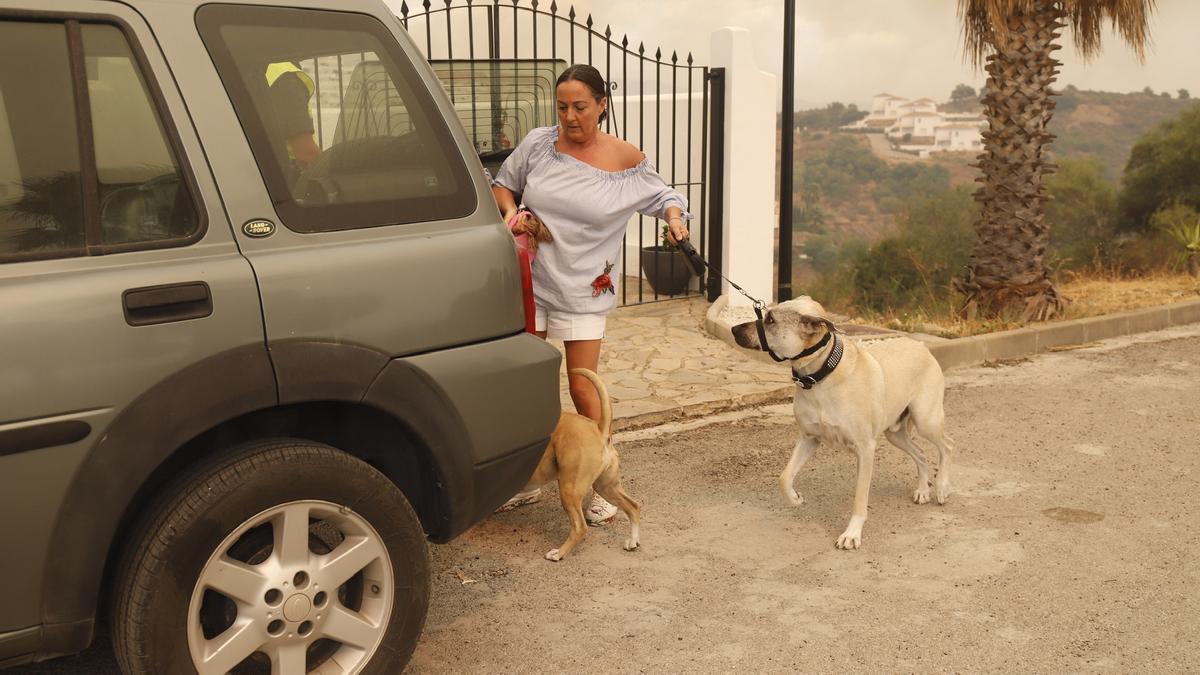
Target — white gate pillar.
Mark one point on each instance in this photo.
(748, 246)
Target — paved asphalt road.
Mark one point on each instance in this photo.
(1069, 544)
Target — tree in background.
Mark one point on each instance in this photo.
(1080, 213)
(963, 92)
(1184, 95)
(834, 115)
(1148, 91)
(1163, 169)
(916, 267)
(1014, 40)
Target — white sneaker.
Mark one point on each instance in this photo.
(600, 512)
(521, 499)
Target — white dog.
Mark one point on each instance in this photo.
(848, 393)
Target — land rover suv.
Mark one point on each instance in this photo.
(249, 364)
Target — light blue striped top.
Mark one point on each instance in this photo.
(586, 209)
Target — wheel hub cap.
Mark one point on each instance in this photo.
(297, 607)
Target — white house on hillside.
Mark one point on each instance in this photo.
(918, 126)
(886, 106)
(958, 137)
(914, 125)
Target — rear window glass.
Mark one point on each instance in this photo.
(500, 101)
(340, 124)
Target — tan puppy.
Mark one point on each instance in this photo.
(526, 222)
(581, 456)
(893, 387)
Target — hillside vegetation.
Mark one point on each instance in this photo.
(1104, 125)
(879, 233)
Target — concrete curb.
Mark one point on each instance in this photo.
(1020, 342)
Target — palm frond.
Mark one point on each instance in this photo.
(985, 22)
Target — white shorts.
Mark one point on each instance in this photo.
(568, 326)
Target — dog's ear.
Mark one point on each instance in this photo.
(815, 322)
(541, 232)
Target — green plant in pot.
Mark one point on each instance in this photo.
(664, 267)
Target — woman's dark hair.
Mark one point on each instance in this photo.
(590, 77)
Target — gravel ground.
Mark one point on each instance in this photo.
(1068, 544)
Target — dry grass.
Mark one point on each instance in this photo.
(1088, 294)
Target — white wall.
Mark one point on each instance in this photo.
(750, 217)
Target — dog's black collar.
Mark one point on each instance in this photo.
(831, 362)
(762, 341)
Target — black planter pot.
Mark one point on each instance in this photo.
(665, 269)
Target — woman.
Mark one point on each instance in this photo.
(584, 184)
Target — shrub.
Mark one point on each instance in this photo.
(1080, 214)
(916, 267)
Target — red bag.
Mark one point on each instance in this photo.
(526, 252)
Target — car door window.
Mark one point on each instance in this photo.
(342, 127)
(117, 187)
(41, 200)
(143, 197)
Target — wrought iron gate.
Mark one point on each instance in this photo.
(499, 62)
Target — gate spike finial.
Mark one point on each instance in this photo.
(404, 9)
(674, 58)
(448, 3)
(689, 59)
(658, 54)
(641, 48)
(426, 4)
(554, 6)
(571, 13)
(534, 4)
(607, 31)
(625, 40)
(589, 21)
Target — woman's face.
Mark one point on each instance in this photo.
(578, 111)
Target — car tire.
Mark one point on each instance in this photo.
(220, 568)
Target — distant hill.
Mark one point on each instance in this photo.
(1099, 124)
(1105, 125)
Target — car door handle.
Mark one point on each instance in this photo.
(168, 303)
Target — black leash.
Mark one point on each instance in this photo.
(699, 264)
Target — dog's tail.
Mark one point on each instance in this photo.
(605, 404)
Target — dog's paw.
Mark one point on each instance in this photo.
(792, 496)
(849, 541)
(554, 555)
(631, 544)
(942, 493)
(921, 495)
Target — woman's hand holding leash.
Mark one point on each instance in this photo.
(677, 229)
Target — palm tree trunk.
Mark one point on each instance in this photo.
(1007, 273)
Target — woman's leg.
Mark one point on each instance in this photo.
(584, 354)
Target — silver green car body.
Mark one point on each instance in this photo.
(401, 343)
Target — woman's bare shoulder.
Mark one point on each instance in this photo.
(627, 154)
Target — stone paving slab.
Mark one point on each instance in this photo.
(660, 364)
